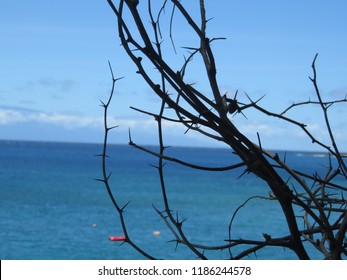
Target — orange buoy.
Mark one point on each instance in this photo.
(117, 238)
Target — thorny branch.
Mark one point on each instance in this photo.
(106, 176)
(319, 198)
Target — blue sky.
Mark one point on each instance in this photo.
(54, 54)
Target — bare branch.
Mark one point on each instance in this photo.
(318, 197)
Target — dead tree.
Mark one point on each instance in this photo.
(318, 196)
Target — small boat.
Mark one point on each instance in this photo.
(117, 238)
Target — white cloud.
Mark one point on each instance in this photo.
(144, 129)
(10, 116)
(263, 128)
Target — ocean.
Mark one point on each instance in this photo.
(52, 208)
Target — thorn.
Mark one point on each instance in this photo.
(188, 128)
(112, 127)
(190, 48)
(259, 142)
(209, 20)
(130, 140)
(276, 157)
(244, 172)
(176, 217)
(328, 106)
(250, 100)
(102, 103)
(153, 165)
(243, 115)
(259, 99)
(122, 209)
(108, 177)
(314, 60)
(101, 155)
(236, 92)
(176, 245)
(117, 79)
(110, 66)
(100, 180)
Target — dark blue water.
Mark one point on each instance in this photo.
(52, 208)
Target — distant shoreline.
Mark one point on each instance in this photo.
(298, 152)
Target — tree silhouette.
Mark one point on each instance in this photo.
(316, 200)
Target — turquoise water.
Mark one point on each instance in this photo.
(52, 208)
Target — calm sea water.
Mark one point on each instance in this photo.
(52, 208)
